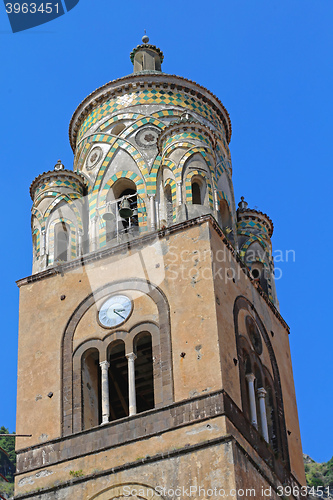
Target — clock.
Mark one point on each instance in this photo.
(115, 311)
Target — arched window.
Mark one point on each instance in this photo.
(118, 381)
(91, 389)
(196, 194)
(168, 205)
(61, 242)
(259, 274)
(225, 215)
(144, 377)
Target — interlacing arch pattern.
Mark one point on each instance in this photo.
(172, 184)
(188, 187)
(141, 123)
(51, 238)
(36, 213)
(252, 239)
(203, 151)
(222, 196)
(177, 145)
(115, 119)
(68, 198)
(36, 234)
(194, 136)
(151, 181)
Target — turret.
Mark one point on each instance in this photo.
(254, 231)
(57, 216)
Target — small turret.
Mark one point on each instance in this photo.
(254, 232)
(57, 216)
(146, 57)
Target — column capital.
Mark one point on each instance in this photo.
(250, 377)
(104, 364)
(261, 392)
(131, 356)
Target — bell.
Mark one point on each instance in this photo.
(108, 215)
(125, 210)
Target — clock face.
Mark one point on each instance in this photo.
(115, 311)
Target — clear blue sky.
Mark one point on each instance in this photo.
(270, 63)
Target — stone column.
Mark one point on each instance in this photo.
(80, 236)
(43, 243)
(94, 232)
(152, 211)
(105, 391)
(250, 378)
(131, 357)
(261, 392)
(180, 196)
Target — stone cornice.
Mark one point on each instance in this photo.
(250, 213)
(132, 83)
(56, 174)
(185, 125)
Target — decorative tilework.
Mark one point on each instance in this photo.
(130, 149)
(123, 116)
(166, 112)
(150, 96)
(68, 198)
(188, 187)
(189, 136)
(36, 213)
(188, 154)
(222, 196)
(51, 238)
(172, 184)
(251, 224)
(59, 183)
(140, 123)
(248, 243)
(152, 179)
(36, 243)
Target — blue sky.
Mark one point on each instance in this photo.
(270, 63)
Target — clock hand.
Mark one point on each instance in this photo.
(114, 310)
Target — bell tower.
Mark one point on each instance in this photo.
(153, 359)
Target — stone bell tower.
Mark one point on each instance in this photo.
(153, 360)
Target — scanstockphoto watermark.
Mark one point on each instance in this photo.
(216, 492)
(203, 264)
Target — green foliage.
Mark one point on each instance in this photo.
(76, 473)
(319, 474)
(8, 444)
(7, 489)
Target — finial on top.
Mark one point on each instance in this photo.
(243, 204)
(59, 166)
(145, 38)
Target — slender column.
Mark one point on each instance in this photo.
(94, 230)
(216, 201)
(43, 243)
(180, 197)
(79, 250)
(131, 357)
(250, 378)
(152, 211)
(105, 391)
(261, 392)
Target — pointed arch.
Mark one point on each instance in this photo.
(72, 240)
(172, 184)
(188, 187)
(68, 198)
